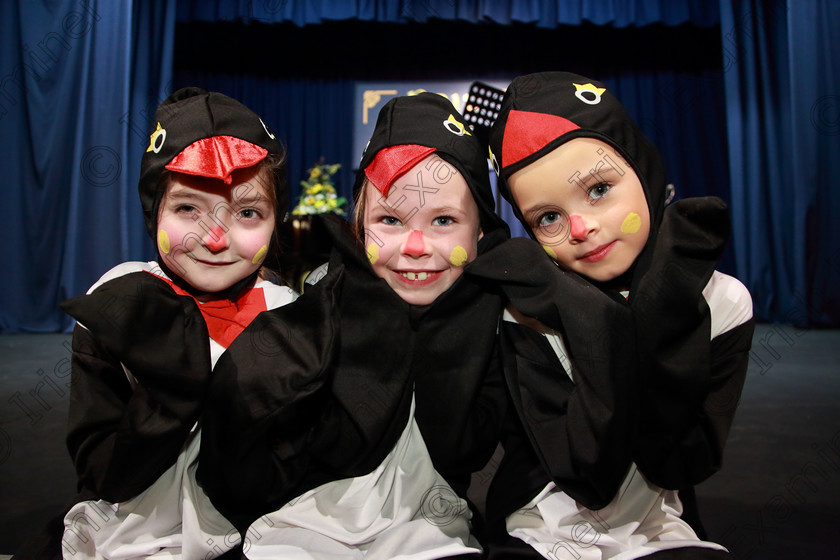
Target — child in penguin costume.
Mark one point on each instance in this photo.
(149, 333)
(406, 386)
(624, 350)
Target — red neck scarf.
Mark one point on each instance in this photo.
(226, 318)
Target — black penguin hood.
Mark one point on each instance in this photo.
(542, 111)
(430, 120)
(186, 117)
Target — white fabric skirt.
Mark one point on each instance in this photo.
(403, 510)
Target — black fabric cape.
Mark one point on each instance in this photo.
(657, 391)
(122, 438)
(266, 438)
(672, 419)
(578, 434)
(124, 442)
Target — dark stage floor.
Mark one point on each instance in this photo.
(777, 497)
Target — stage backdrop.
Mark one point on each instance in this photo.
(79, 79)
(370, 97)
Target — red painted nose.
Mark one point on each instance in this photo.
(415, 244)
(577, 228)
(215, 239)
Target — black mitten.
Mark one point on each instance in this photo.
(673, 331)
(581, 429)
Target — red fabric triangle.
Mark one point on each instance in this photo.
(225, 318)
(527, 132)
(217, 157)
(392, 163)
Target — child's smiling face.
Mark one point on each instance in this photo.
(586, 206)
(421, 235)
(213, 234)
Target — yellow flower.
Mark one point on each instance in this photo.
(319, 191)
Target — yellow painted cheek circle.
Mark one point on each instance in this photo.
(373, 253)
(163, 241)
(260, 255)
(631, 223)
(458, 256)
(550, 252)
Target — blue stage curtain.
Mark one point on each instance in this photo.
(313, 118)
(78, 79)
(543, 13)
(682, 113)
(782, 66)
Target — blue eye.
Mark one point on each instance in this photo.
(444, 221)
(390, 221)
(598, 191)
(549, 218)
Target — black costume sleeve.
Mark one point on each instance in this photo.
(390, 351)
(462, 438)
(122, 438)
(730, 359)
(262, 403)
(356, 354)
(518, 478)
(314, 391)
(690, 385)
(459, 386)
(581, 431)
(370, 390)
